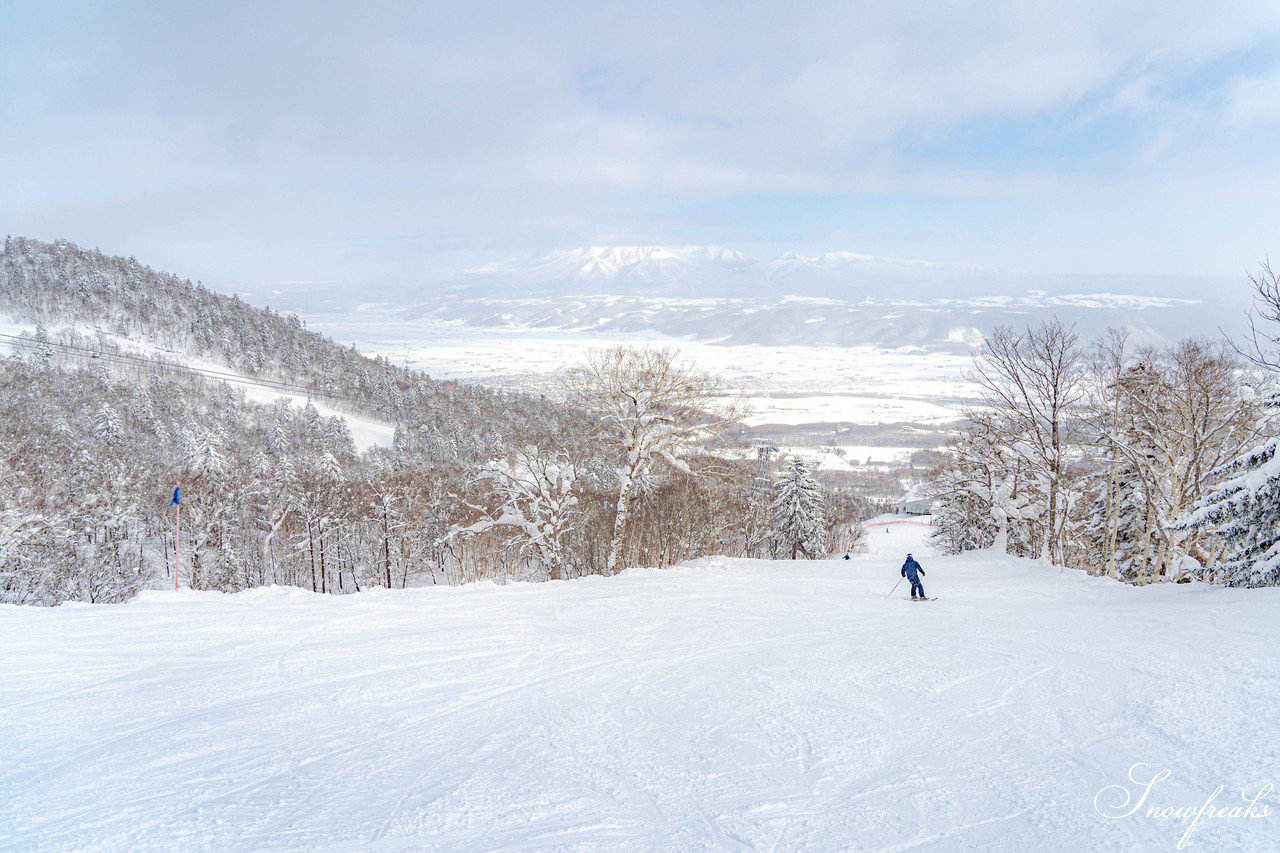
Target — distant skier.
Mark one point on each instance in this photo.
(912, 571)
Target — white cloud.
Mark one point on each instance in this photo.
(409, 126)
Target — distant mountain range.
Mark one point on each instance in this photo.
(839, 298)
(711, 271)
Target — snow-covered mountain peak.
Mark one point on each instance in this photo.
(710, 271)
(834, 258)
(615, 261)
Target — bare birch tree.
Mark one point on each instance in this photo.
(1032, 379)
(1263, 344)
(650, 409)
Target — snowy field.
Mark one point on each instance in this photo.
(781, 384)
(784, 384)
(723, 705)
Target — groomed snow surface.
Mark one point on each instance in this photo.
(721, 705)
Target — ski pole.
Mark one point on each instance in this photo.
(895, 587)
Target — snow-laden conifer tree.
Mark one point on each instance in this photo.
(44, 351)
(797, 521)
(203, 455)
(106, 424)
(1244, 512)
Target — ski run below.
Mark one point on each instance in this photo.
(721, 705)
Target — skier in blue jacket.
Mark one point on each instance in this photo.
(912, 571)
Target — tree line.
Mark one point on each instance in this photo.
(1145, 464)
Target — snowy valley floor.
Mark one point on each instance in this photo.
(723, 705)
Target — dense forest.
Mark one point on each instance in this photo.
(638, 462)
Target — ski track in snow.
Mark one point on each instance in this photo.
(723, 705)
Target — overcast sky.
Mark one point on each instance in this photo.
(259, 144)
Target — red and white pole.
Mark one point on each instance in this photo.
(177, 532)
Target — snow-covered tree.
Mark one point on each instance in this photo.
(757, 496)
(1032, 379)
(797, 521)
(538, 505)
(1244, 512)
(106, 425)
(44, 350)
(651, 409)
(986, 495)
(203, 455)
(27, 576)
(1162, 421)
(1121, 519)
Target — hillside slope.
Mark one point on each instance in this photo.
(724, 705)
(60, 285)
(118, 382)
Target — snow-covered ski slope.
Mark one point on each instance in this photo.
(722, 705)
